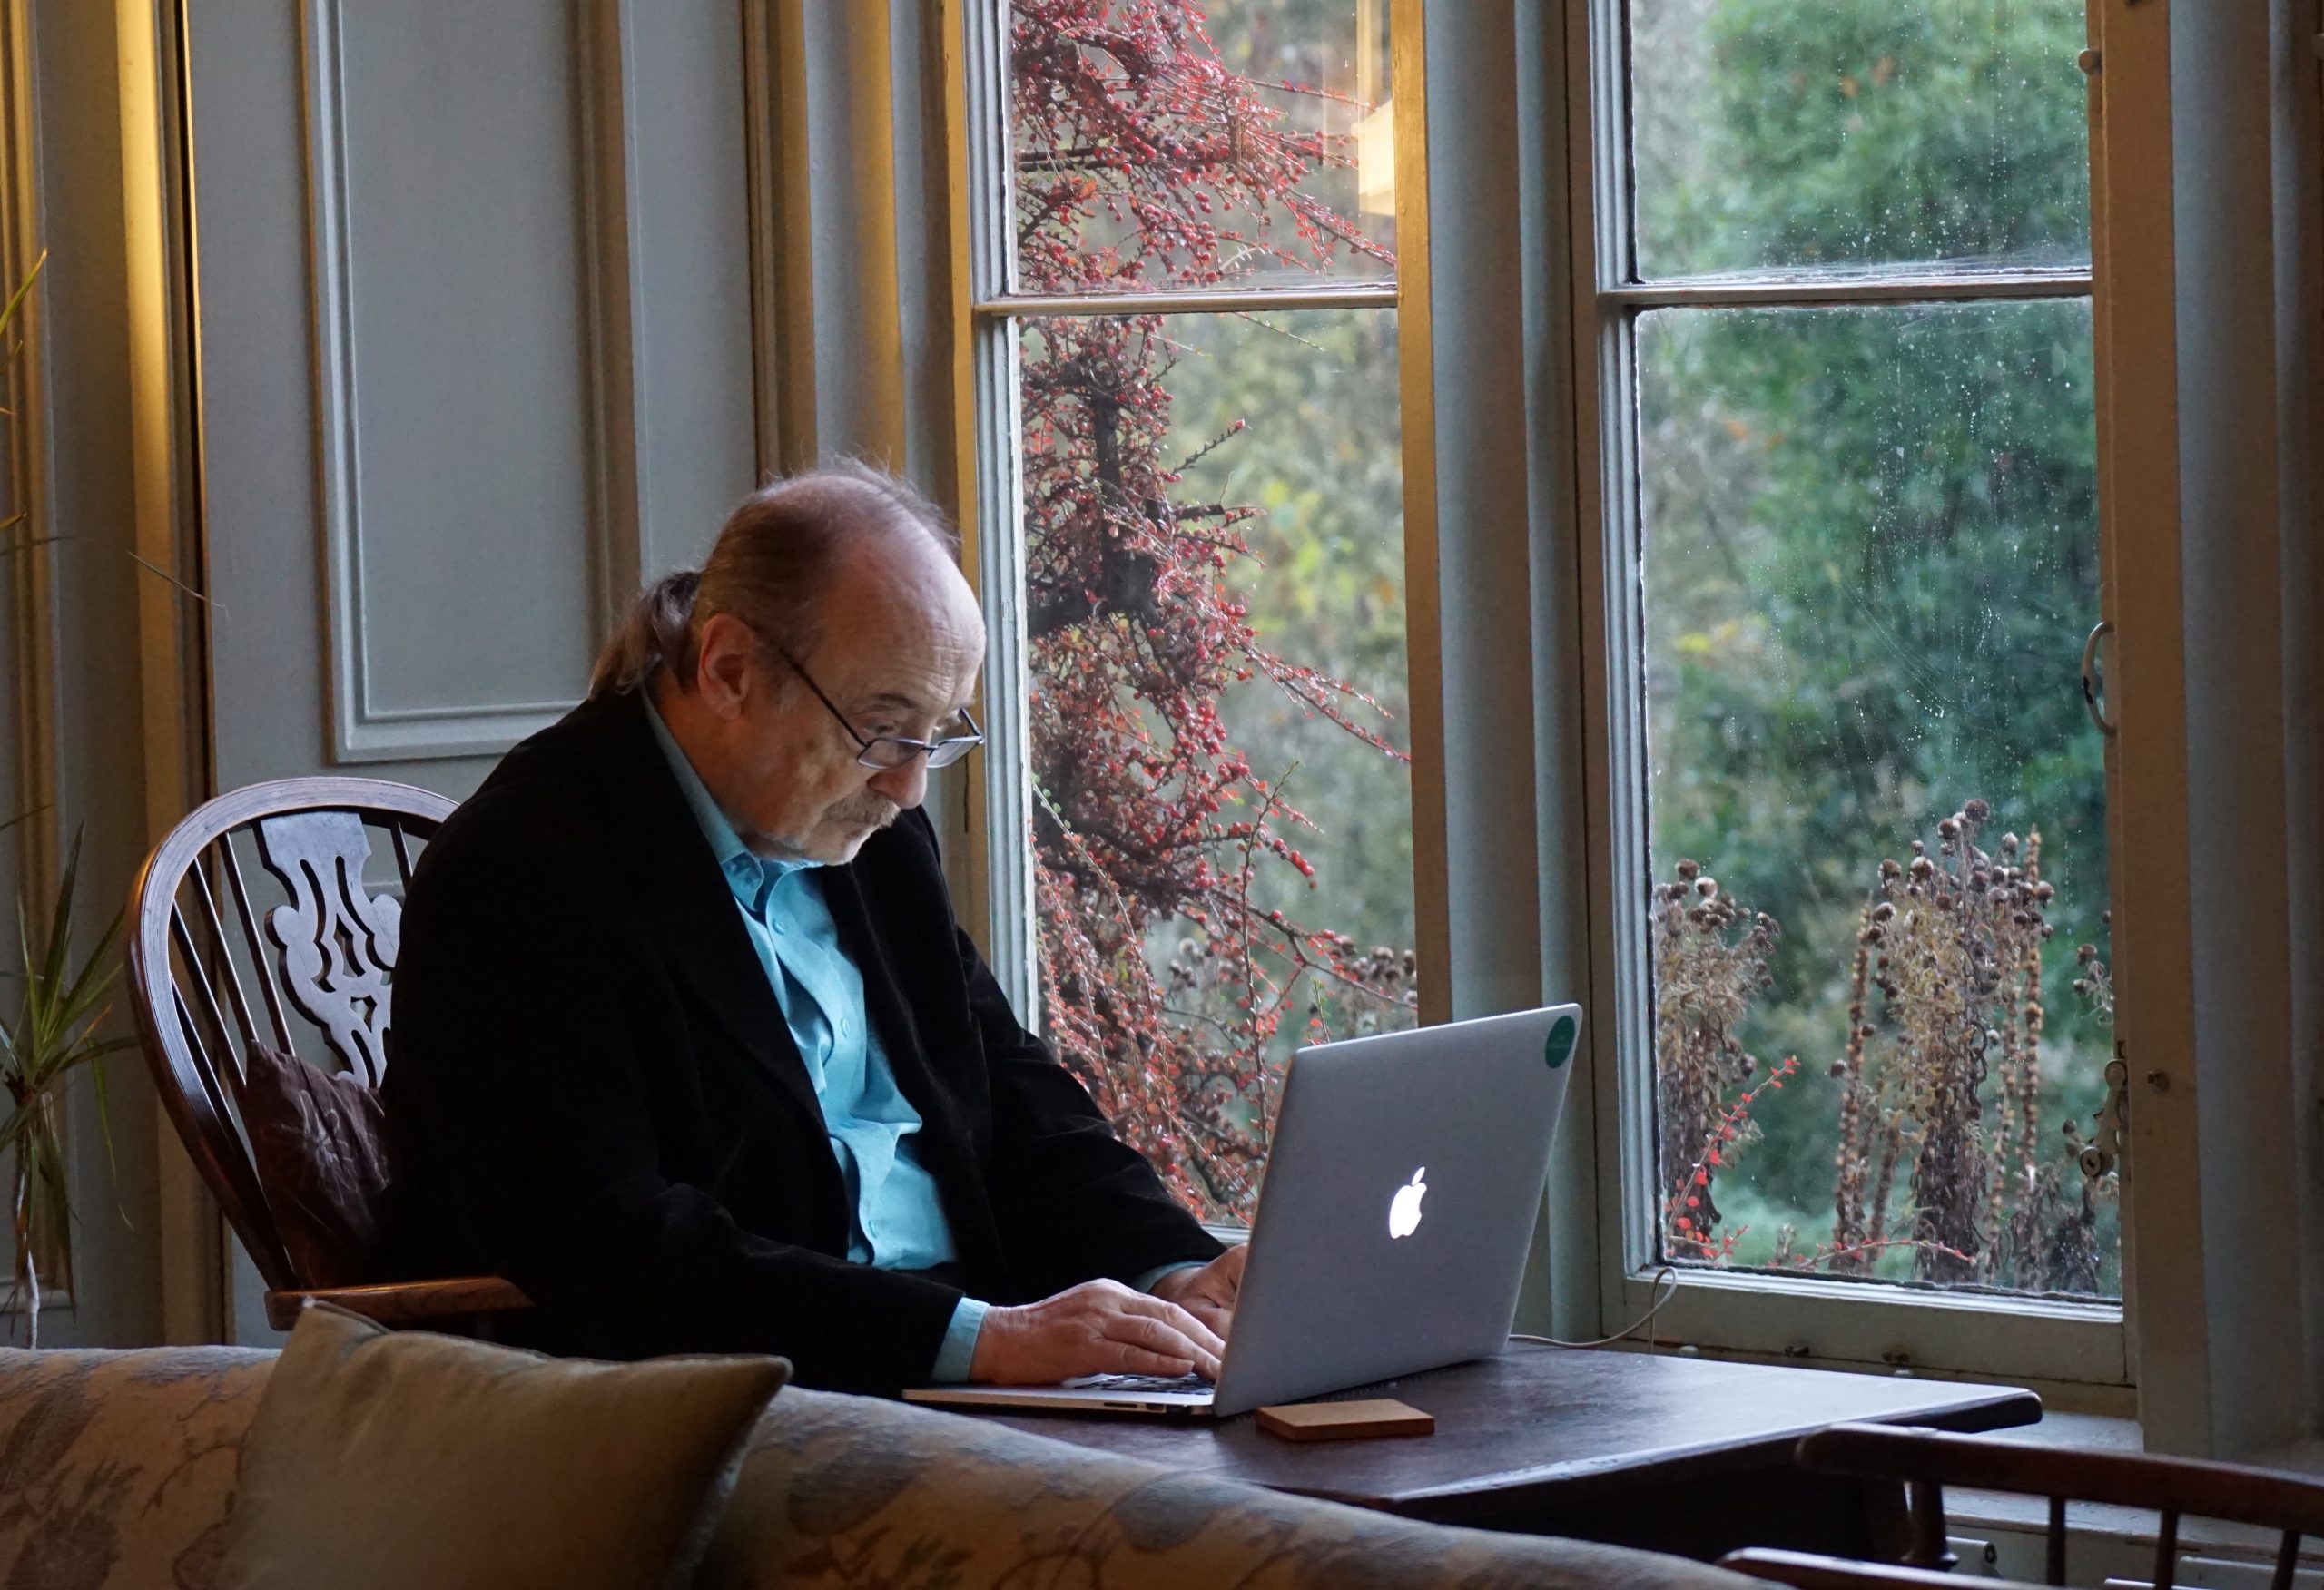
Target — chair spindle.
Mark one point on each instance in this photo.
(1929, 1549)
(200, 976)
(209, 1072)
(225, 952)
(2056, 1542)
(2287, 1561)
(258, 956)
(2166, 1552)
(402, 849)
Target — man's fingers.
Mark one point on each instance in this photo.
(1138, 1360)
(1177, 1319)
(1163, 1338)
(1200, 1333)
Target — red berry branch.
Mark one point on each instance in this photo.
(1144, 162)
(1693, 1232)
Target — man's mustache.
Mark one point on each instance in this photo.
(866, 811)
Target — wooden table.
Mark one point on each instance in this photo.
(1668, 1452)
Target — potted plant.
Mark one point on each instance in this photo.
(52, 1035)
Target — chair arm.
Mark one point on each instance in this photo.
(405, 1302)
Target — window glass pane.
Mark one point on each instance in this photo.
(1783, 134)
(1878, 806)
(1242, 144)
(1223, 811)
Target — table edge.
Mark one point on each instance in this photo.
(2007, 1408)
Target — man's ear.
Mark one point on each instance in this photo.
(725, 664)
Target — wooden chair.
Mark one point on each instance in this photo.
(317, 946)
(1928, 1460)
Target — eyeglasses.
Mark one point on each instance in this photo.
(893, 751)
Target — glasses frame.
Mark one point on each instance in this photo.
(940, 754)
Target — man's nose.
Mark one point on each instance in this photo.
(907, 786)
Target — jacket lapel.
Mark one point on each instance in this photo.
(690, 911)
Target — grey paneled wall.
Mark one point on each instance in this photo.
(481, 313)
(465, 501)
(690, 219)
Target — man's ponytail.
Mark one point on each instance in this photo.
(657, 632)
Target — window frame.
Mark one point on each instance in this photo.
(1593, 1271)
(1832, 1321)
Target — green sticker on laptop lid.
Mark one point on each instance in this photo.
(1559, 1049)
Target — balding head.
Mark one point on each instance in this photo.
(831, 611)
(774, 565)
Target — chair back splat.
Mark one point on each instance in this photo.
(271, 916)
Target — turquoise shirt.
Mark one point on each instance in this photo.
(898, 1221)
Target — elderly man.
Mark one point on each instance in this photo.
(688, 1044)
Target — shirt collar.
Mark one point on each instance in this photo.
(735, 859)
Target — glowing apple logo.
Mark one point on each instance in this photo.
(1404, 1209)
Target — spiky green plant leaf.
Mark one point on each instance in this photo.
(54, 1033)
(23, 290)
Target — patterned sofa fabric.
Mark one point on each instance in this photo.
(117, 1472)
(854, 1491)
(117, 1468)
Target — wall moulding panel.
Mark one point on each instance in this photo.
(473, 345)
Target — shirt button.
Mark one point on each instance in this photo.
(778, 928)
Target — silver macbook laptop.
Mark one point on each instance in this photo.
(1391, 1229)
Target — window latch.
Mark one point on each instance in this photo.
(2094, 682)
(2104, 1149)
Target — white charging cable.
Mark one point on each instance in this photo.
(1666, 1282)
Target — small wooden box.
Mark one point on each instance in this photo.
(1346, 1422)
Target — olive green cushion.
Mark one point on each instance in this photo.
(383, 1459)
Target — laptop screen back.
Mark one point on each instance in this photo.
(1402, 1189)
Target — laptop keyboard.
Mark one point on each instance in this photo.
(1138, 1383)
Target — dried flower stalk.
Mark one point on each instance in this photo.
(1940, 1071)
(1710, 957)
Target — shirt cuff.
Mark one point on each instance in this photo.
(959, 1348)
(1145, 1283)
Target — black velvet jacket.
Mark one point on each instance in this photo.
(593, 1092)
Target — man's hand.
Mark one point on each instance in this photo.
(1099, 1328)
(1208, 1293)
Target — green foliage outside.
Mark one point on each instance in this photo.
(1851, 133)
(1871, 532)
